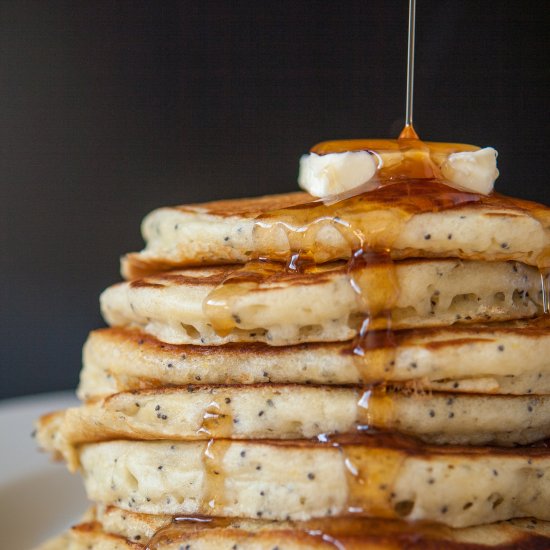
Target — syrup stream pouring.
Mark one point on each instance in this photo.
(408, 131)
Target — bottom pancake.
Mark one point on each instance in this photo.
(115, 529)
(374, 475)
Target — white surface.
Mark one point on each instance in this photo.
(38, 498)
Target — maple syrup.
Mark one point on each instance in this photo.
(182, 525)
(545, 288)
(217, 419)
(371, 477)
(217, 305)
(214, 475)
(375, 408)
(397, 159)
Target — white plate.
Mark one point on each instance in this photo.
(38, 498)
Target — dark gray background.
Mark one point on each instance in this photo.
(109, 109)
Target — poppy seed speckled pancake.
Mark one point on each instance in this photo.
(271, 411)
(490, 228)
(509, 358)
(116, 529)
(376, 475)
(320, 304)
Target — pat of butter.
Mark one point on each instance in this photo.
(474, 170)
(324, 175)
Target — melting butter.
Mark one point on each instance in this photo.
(336, 167)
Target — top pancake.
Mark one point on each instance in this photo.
(427, 220)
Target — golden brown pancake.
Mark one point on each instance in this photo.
(223, 304)
(510, 358)
(420, 220)
(115, 529)
(375, 475)
(270, 411)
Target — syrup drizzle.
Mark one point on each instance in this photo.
(410, 68)
(217, 420)
(180, 526)
(218, 304)
(413, 185)
(545, 288)
(374, 476)
(214, 495)
(375, 408)
(368, 231)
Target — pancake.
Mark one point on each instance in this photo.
(424, 220)
(376, 475)
(88, 536)
(116, 529)
(294, 412)
(349, 532)
(511, 358)
(319, 304)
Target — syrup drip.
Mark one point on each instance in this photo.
(290, 236)
(369, 475)
(374, 476)
(545, 288)
(218, 304)
(214, 495)
(371, 270)
(375, 408)
(367, 271)
(374, 352)
(357, 218)
(181, 526)
(413, 185)
(217, 420)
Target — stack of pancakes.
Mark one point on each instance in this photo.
(370, 373)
